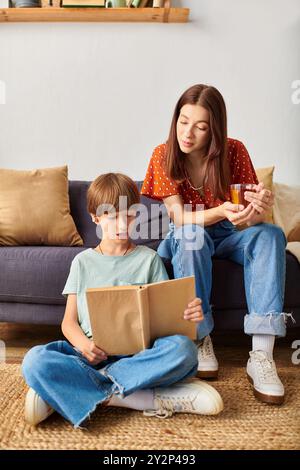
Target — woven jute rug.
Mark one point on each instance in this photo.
(244, 424)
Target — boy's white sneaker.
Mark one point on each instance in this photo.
(207, 362)
(36, 409)
(262, 374)
(186, 397)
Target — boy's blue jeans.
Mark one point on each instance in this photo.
(69, 384)
(260, 249)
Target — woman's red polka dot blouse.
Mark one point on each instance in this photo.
(158, 185)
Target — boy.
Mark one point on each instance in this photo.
(74, 377)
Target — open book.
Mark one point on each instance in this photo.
(127, 319)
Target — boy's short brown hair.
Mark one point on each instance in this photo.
(107, 188)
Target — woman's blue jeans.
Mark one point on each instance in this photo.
(69, 384)
(259, 248)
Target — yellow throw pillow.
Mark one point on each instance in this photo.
(35, 208)
(294, 235)
(265, 175)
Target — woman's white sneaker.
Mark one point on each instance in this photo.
(195, 397)
(208, 366)
(262, 374)
(36, 409)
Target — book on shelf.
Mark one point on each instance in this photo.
(139, 3)
(158, 3)
(134, 3)
(148, 3)
(127, 319)
(144, 3)
(83, 3)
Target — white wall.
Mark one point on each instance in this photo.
(99, 96)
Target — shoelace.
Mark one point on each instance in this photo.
(266, 368)
(161, 413)
(168, 405)
(206, 349)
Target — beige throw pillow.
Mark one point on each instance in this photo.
(287, 210)
(265, 175)
(35, 209)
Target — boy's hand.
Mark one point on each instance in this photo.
(194, 311)
(94, 354)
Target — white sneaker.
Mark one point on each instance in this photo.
(208, 366)
(186, 397)
(262, 374)
(36, 409)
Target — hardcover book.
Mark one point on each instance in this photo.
(127, 319)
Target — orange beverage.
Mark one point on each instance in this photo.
(237, 192)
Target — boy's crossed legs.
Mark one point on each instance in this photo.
(154, 378)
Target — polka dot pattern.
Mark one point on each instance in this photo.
(158, 185)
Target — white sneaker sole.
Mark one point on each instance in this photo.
(207, 374)
(218, 402)
(31, 406)
(214, 395)
(263, 397)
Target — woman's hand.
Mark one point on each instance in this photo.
(93, 354)
(261, 199)
(194, 311)
(236, 213)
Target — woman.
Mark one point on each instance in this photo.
(191, 174)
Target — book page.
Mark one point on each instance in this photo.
(143, 301)
(167, 302)
(115, 319)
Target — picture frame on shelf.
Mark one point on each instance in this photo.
(51, 3)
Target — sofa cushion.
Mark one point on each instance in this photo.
(35, 209)
(40, 314)
(35, 274)
(265, 175)
(78, 207)
(158, 222)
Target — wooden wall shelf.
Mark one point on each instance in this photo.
(105, 15)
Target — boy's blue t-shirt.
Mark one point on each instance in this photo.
(92, 269)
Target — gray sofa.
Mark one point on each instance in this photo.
(32, 277)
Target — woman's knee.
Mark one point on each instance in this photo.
(195, 237)
(277, 233)
(273, 232)
(188, 230)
